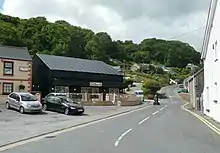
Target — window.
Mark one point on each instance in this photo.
(50, 99)
(17, 97)
(28, 97)
(8, 68)
(56, 100)
(12, 95)
(7, 88)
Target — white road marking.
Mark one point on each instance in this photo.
(64, 130)
(121, 137)
(143, 120)
(155, 112)
(206, 122)
(161, 109)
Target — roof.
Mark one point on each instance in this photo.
(199, 72)
(10, 52)
(62, 63)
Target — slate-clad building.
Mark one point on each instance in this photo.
(65, 74)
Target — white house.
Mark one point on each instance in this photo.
(211, 58)
(135, 67)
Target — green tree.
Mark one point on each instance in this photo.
(62, 38)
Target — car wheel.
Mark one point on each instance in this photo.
(21, 110)
(44, 107)
(7, 105)
(66, 111)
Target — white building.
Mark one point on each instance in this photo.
(135, 67)
(211, 59)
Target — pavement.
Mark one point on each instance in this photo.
(156, 129)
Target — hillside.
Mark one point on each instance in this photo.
(61, 38)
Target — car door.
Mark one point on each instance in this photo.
(12, 100)
(50, 102)
(17, 101)
(58, 105)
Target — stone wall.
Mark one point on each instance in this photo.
(2, 99)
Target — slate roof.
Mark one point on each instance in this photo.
(77, 65)
(10, 52)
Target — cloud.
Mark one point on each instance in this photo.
(124, 19)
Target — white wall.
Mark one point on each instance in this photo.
(212, 71)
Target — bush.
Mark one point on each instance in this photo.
(21, 87)
(128, 82)
(151, 86)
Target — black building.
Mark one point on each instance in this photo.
(74, 75)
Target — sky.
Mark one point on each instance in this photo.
(122, 19)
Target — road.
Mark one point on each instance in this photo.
(157, 129)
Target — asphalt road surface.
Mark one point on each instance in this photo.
(157, 129)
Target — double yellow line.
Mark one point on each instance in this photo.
(210, 125)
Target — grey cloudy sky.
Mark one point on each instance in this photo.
(122, 19)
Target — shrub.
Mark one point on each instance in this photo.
(151, 86)
(128, 82)
(21, 87)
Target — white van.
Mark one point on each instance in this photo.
(139, 93)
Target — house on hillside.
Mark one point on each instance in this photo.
(135, 67)
(211, 59)
(119, 69)
(15, 69)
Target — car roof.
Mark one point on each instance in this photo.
(55, 93)
(21, 93)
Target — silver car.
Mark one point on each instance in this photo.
(24, 102)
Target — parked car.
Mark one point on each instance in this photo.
(62, 104)
(140, 94)
(181, 86)
(55, 94)
(182, 90)
(24, 102)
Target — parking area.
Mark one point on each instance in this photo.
(15, 126)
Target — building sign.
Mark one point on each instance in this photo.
(95, 84)
(23, 69)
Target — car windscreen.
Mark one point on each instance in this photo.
(139, 93)
(28, 97)
(68, 100)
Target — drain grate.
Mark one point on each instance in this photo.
(50, 136)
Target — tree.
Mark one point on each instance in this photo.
(62, 38)
(151, 86)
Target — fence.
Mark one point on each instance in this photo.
(109, 98)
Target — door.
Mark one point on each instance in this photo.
(11, 100)
(17, 101)
(57, 105)
(49, 103)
